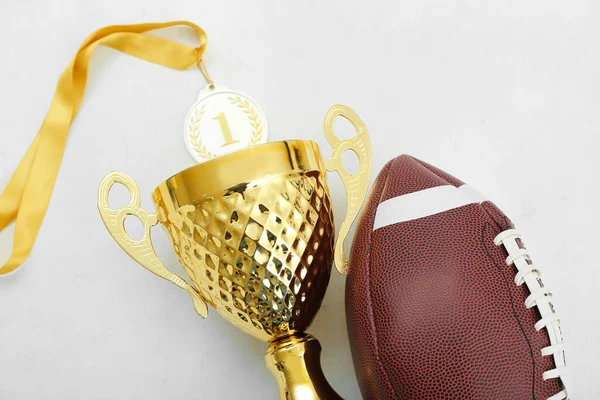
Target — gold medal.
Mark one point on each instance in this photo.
(221, 121)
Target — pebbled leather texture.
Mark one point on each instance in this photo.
(432, 308)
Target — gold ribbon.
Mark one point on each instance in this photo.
(26, 197)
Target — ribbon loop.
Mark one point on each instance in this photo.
(26, 197)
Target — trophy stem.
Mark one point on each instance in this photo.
(295, 361)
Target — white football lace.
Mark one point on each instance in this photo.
(540, 297)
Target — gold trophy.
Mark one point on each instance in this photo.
(254, 233)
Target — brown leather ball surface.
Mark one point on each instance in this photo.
(432, 307)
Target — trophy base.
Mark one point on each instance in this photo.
(295, 361)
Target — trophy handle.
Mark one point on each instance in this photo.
(141, 250)
(356, 185)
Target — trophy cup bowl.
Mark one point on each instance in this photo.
(254, 232)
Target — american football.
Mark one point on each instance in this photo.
(443, 300)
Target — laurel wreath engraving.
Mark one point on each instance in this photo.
(245, 106)
(194, 134)
(252, 113)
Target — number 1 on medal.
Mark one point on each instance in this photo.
(225, 130)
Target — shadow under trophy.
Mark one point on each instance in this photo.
(253, 230)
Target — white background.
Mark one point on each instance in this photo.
(502, 94)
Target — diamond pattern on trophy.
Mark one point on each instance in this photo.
(261, 253)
